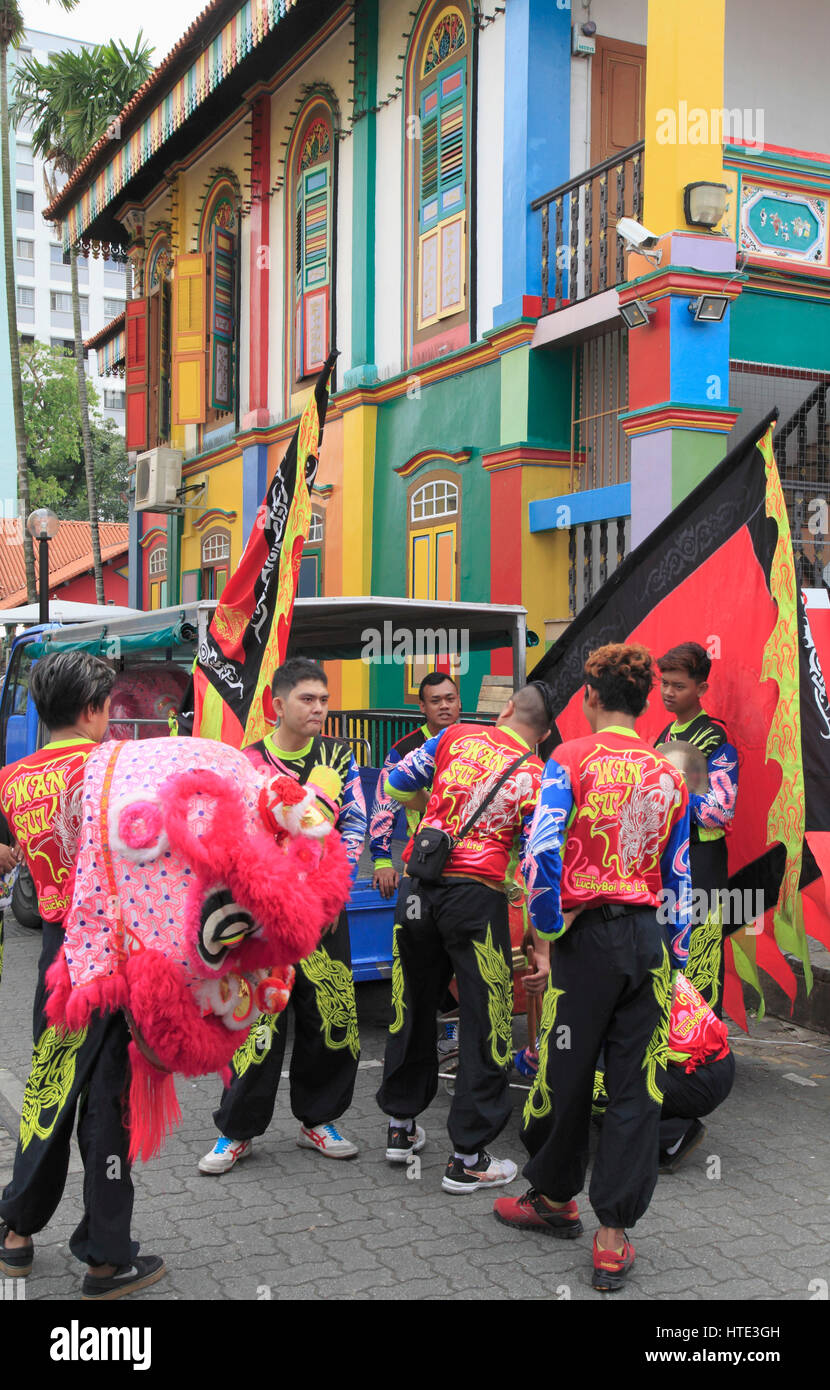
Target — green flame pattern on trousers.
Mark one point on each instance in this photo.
(334, 997)
(495, 973)
(50, 1082)
(539, 1102)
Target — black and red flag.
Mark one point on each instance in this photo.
(229, 695)
(719, 571)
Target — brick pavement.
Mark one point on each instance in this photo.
(286, 1223)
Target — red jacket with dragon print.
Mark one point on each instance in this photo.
(461, 764)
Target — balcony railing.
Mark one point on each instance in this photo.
(589, 206)
(595, 550)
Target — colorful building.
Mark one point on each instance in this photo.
(435, 191)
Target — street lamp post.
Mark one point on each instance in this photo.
(43, 526)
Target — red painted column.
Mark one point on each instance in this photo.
(258, 412)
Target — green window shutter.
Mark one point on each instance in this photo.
(222, 319)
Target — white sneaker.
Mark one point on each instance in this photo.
(448, 1042)
(327, 1140)
(487, 1172)
(224, 1154)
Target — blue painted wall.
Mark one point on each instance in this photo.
(537, 132)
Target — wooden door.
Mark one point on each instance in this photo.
(618, 97)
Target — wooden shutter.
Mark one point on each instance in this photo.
(223, 283)
(314, 263)
(188, 356)
(137, 374)
(442, 248)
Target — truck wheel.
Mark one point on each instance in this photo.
(24, 901)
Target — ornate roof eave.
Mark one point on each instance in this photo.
(167, 118)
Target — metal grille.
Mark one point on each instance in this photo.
(802, 451)
(601, 371)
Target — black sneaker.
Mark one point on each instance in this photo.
(401, 1142)
(144, 1270)
(670, 1162)
(15, 1264)
(487, 1172)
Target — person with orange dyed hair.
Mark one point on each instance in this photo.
(608, 847)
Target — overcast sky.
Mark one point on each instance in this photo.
(97, 21)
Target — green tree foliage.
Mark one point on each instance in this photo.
(55, 442)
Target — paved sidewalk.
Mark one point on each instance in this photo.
(748, 1217)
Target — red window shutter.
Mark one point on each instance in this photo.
(137, 374)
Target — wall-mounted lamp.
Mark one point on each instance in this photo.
(704, 204)
(636, 312)
(708, 308)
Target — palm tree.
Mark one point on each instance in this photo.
(71, 101)
(12, 29)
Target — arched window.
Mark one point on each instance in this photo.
(218, 242)
(309, 240)
(433, 499)
(434, 513)
(310, 582)
(157, 287)
(204, 312)
(438, 109)
(157, 573)
(216, 561)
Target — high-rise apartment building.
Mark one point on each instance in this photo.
(42, 271)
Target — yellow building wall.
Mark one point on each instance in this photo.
(544, 555)
(684, 84)
(224, 490)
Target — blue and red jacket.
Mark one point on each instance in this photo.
(612, 826)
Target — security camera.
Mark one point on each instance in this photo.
(636, 234)
(639, 238)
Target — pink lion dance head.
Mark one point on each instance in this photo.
(199, 881)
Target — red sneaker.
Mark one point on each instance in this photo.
(610, 1268)
(532, 1213)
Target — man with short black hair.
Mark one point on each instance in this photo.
(684, 680)
(40, 796)
(326, 1049)
(610, 834)
(458, 924)
(440, 704)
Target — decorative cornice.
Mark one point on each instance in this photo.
(528, 456)
(150, 537)
(436, 457)
(670, 416)
(681, 280)
(209, 517)
(484, 353)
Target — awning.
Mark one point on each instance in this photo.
(114, 644)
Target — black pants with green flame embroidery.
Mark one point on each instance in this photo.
(610, 981)
(705, 966)
(457, 927)
(325, 1055)
(87, 1071)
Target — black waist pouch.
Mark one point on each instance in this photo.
(431, 848)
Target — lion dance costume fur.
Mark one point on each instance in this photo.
(199, 882)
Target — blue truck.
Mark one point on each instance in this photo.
(324, 629)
